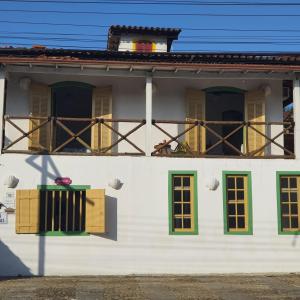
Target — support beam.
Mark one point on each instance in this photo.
(296, 104)
(148, 144)
(2, 99)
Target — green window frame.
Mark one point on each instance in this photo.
(57, 190)
(237, 210)
(185, 185)
(288, 202)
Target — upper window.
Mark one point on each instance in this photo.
(182, 203)
(144, 46)
(288, 203)
(237, 203)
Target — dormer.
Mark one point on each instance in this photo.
(141, 39)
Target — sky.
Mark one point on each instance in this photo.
(207, 28)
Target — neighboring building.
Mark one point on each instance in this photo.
(178, 161)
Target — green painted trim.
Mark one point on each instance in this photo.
(63, 188)
(278, 175)
(170, 208)
(227, 89)
(62, 233)
(62, 84)
(250, 217)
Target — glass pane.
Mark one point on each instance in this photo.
(186, 196)
(186, 181)
(231, 222)
(285, 222)
(241, 222)
(294, 209)
(241, 209)
(240, 183)
(177, 196)
(283, 182)
(177, 209)
(231, 195)
(186, 209)
(177, 223)
(240, 195)
(284, 197)
(177, 181)
(285, 209)
(293, 197)
(293, 182)
(187, 223)
(230, 183)
(231, 209)
(294, 222)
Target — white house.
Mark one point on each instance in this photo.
(140, 160)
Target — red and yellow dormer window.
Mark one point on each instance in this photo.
(144, 46)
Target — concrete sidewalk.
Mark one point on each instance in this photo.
(227, 287)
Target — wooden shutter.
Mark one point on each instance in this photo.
(27, 211)
(40, 106)
(255, 112)
(102, 108)
(95, 211)
(195, 110)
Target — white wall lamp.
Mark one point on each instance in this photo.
(212, 184)
(11, 181)
(25, 83)
(115, 184)
(267, 90)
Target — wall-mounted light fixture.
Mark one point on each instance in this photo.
(25, 83)
(115, 184)
(11, 181)
(212, 183)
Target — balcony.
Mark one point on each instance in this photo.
(112, 137)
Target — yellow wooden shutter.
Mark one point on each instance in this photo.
(102, 108)
(195, 110)
(40, 106)
(27, 211)
(255, 112)
(95, 211)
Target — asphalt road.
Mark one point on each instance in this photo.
(226, 287)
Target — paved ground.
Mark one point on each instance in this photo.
(227, 287)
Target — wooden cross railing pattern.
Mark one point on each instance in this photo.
(237, 126)
(56, 123)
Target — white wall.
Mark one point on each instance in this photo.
(137, 241)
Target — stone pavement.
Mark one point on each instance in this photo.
(225, 287)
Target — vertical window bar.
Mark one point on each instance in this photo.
(80, 209)
(46, 210)
(59, 216)
(73, 221)
(67, 210)
(53, 202)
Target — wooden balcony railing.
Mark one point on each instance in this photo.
(265, 148)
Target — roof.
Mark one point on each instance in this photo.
(68, 55)
(115, 32)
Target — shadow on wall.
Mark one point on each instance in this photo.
(111, 219)
(10, 264)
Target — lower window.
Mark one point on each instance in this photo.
(182, 203)
(288, 202)
(237, 203)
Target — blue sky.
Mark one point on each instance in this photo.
(206, 39)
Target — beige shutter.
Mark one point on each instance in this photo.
(95, 211)
(102, 108)
(195, 110)
(40, 106)
(27, 211)
(255, 112)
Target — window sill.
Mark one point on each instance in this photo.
(61, 233)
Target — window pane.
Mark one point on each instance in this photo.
(186, 196)
(186, 209)
(294, 222)
(240, 195)
(241, 222)
(177, 181)
(177, 196)
(293, 182)
(285, 209)
(294, 209)
(187, 223)
(284, 197)
(230, 183)
(231, 222)
(177, 223)
(293, 197)
(240, 209)
(231, 209)
(240, 182)
(177, 209)
(231, 195)
(285, 222)
(186, 181)
(283, 182)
